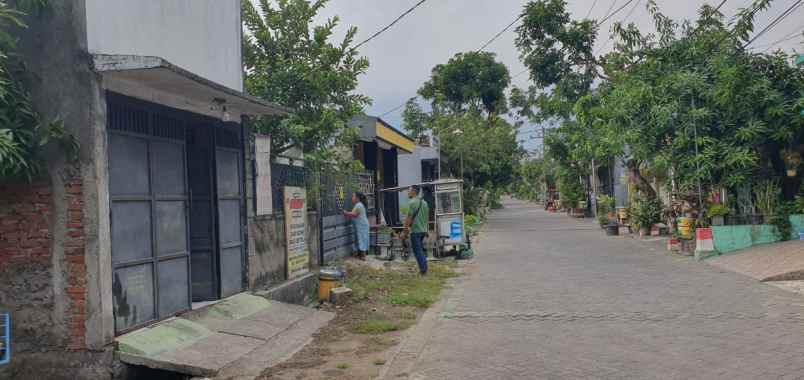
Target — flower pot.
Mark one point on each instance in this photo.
(673, 244)
(718, 220)
(612, 229)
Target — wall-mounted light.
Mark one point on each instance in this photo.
(219, 105)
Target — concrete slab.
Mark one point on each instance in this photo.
(238, 306)
(243, 329)
(276, 350)
(281, 315)
(205, 357)
(772, 262)
(169, 335)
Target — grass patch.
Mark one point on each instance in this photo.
(379, 362)
(403, 287)
(380, 325)
(343, 366)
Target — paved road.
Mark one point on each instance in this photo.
(548, 297)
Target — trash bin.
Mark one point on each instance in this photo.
(328, 279)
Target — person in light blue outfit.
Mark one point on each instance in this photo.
(360, 220)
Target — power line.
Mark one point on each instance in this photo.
(775, 22)
(720, 5)
(496, 36)
(630, 13)
(590, 9)
(795, 34)
(614, 13)
(608, 11)
(391, 24)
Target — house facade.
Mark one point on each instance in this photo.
(159, 212)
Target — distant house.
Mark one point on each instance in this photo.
(380, 149)
(423, 165)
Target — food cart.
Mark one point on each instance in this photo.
(447, 232)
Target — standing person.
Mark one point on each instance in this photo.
(416, 222)
(360, 220)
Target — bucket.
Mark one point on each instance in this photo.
(685, 227)
(328, 279)
(612, 229)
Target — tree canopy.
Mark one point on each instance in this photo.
(290, 61)
(689, 101)
(468, 80)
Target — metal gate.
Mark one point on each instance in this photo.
(228, 178)
(337, 232)
(149, 202)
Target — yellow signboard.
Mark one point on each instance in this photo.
(395, 138)
(298, 259)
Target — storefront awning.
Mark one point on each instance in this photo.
(155, 73)
(375, 129)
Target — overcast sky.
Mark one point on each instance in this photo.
(402, 57)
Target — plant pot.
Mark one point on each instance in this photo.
(718, 220)
(757, 219)
(612, 229)
(673, 244)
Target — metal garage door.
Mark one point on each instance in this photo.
(148, 189)
(228, 176)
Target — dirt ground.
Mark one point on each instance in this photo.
(359, 340)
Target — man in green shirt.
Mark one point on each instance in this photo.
(418, 215)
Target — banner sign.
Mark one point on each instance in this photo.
(298, 259)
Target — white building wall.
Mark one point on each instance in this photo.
(410, 172)
(202, 36)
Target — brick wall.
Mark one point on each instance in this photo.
(76, 267)
(29, 241)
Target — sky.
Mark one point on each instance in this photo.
(402, 57)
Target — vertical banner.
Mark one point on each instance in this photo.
(264, 196)
(298, 259)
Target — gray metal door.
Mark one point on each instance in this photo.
(201, 174)
(228, 178)
(148, 189)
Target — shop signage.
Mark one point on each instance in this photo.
(298, 258)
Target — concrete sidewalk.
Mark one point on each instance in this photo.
(771, 262)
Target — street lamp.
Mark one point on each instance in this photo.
(459, 132)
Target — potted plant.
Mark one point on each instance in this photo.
(792, 160)
(717, 214)
(645, 213)
(767, 195)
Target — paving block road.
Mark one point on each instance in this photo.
(549, 297)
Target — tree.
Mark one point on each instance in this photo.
(468, 81)
(24, 135)
(414, 119)
(290, 61)
(689, 101)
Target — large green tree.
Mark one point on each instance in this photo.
(689, 101)
(473, 80)
(291, 61)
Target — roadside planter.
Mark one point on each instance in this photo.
(685, 227)
(613, 229)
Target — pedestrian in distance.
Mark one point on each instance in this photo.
(361, 223)
(416, 224)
